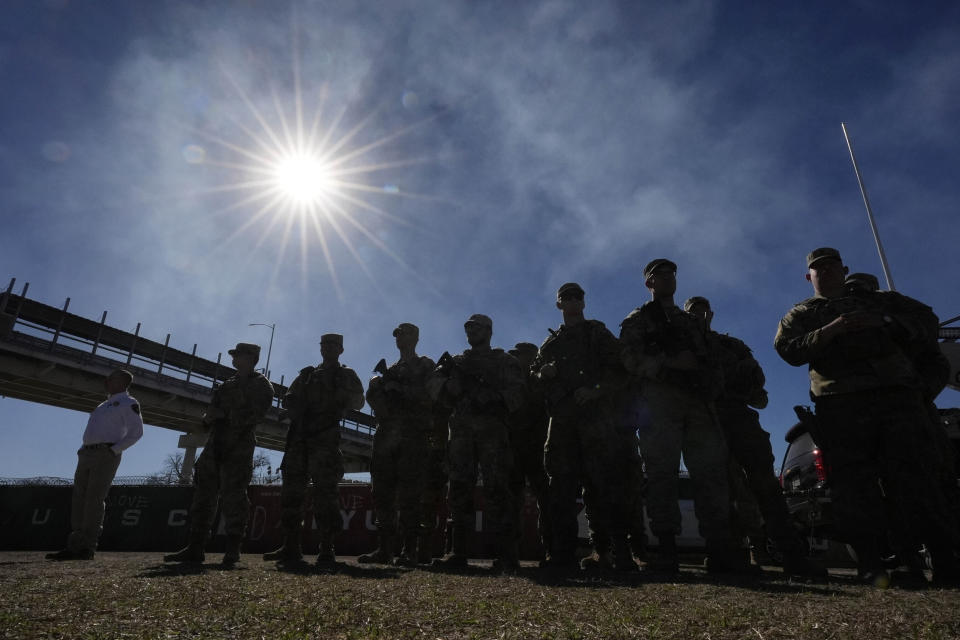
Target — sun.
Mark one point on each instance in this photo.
(308, 179)
(304, 179)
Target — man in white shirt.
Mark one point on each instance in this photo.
(113, 427)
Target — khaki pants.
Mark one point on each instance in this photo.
(680, 422)
(91, 483)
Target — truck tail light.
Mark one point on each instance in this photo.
(819, 466)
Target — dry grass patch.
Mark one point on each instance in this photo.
(123, 595)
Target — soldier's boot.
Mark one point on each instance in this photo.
(383, 554)
(666, 559)
(760, 550)
(231, 554)
(67, 554)
(327, 558)
(193, 552)
(946, 575)
(508, 561)
(638, 545)
(457, 558)
(798, 565)
(623, 556)
(725, 557)
(424, 553)
(598, 560)
(602, 557)
(289, 551)
(408, 555)
(870, 568)
(912, 576)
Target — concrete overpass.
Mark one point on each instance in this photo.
(51, 356)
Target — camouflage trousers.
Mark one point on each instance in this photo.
(750, 450)
(398, 478)
(635, 491)
(872, 443)
(222, 473)
(584, 451)
(746, 521)
(527, 445)
(943, 456)
(91, 484)
(312, 456)
(678, 422)
(480, 441)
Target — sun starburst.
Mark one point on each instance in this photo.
(308, 182)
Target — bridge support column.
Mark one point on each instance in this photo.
(189, 443)
(186, 471)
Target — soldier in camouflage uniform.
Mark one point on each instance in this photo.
(870, 413)
(582, 379)
(665, 349)
(403, 409)
(225, 467)
(482, 385)
(528, 433)
(436, 475)
(317, 401)
(934, 370)
(749, 444)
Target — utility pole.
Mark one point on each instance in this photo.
(866, 202)
(273, 327)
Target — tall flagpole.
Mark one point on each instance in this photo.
(866, 202)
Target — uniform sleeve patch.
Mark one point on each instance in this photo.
(136, 408)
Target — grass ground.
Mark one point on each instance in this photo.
(135, 595)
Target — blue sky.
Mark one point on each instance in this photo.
(493, 150)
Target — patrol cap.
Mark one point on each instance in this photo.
(332, 337)
(695, 300)
(659, 263)
(524, 347)
(246, 348)
(866, 281)
(407, 327)
(568, 287)
(479, 318)
(822, 254)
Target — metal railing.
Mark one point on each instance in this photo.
(43, 328)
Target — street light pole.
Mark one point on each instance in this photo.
(273, 327)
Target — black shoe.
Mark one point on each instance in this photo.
(798, 566)
(910, 580)
(191, 553)
(285, 553)
(452, 561)
(506, 567)
(663, 563)
(67, 554)
(377, 556)
(326, 560)
(404, 560)
(597, 562)
(558, 564)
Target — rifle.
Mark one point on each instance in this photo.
(470, 382)
(381, 367)
(445, 363)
